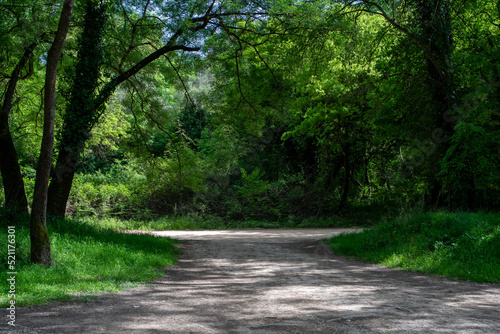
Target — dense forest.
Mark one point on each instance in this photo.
(247, 110)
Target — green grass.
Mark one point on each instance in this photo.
(197, 222)
(87, 260)
(462, 246)
(91, 257)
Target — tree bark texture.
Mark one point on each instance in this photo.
(81, 112)
(15, 195)
(40, 243)
(62, 181)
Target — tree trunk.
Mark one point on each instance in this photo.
(333, 175)
(81, 112)
(435, 40)
(13, 184)
(437, 32)
(15, 195)
(40, 243)
(61, 182)
(347, 180)
(75, 133)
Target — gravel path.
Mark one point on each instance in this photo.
(275, 281)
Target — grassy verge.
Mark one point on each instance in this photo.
(458, 245)
(196, 222)
(87, 259)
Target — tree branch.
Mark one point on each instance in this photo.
(380, 11)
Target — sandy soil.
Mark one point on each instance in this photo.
(275, 281)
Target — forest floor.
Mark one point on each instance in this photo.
(274, 281)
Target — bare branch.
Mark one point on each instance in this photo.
(186, 90)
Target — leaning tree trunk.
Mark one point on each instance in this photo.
(437, 32)
(15, 195)
(79, 120)
(81, 112)
(40, 244)
(62, 181)
(13, 184)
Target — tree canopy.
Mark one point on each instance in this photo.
(252, 109)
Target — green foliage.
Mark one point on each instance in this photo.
(86, 260)
(223, 148)
(190, 221)
(105, 145)
(82, 111)
(173, 181)
(194, 221)
(116, 192)
(457, 245)
(470, 167)
(252, 184)
(252, 198)
(310, 114)
(193, 120)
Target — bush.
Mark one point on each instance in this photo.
(114, 193)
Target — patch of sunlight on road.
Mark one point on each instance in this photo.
(265, 235)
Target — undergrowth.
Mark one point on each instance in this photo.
(198, 222)
(463, 246)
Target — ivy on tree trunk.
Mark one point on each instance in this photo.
(40, 243)
(79, 120)
(81, 114)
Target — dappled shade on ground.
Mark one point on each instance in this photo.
(249, 283)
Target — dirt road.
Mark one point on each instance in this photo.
(276, 281)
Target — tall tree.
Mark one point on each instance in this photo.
(81, 112)
(431, 32)
(22, 28)
(40, 243)
(436, 31)
(15, 195)
(189, 23)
